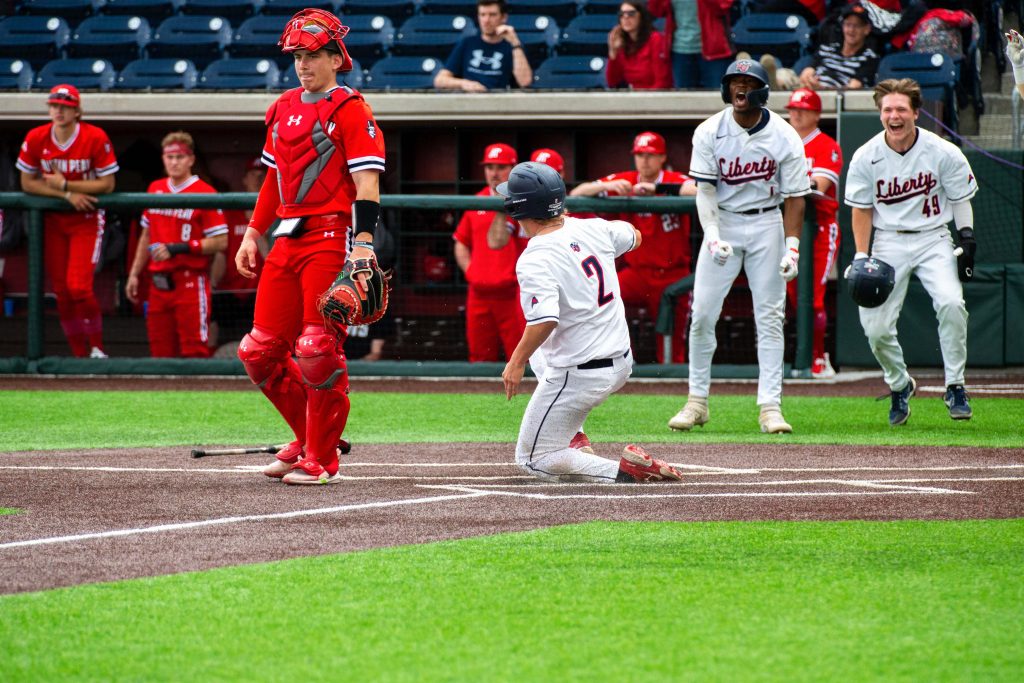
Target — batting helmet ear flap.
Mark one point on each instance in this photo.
(747, 67)
(871, 281)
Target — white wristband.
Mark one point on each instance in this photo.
(859, 255)
(793, 243)
(1018, 73)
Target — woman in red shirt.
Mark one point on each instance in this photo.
(637, 54)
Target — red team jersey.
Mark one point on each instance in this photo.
(182, 225)
(86, 156)
(663, 246)
(489, 269)
(824, 158)
(237, 223)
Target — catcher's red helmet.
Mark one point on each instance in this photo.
(316, 29)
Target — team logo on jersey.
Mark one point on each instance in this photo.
(893, 191)
(737, 172)
(835, 156)
(294, 120)
(970, 178)
(533, 302)
(331, 126)
(370, 130)
(574, 246)
(492, 62)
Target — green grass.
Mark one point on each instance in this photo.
(41, 420)
(736, 601)
(9, 511)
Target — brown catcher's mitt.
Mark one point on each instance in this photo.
(352, 301)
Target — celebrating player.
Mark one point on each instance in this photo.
(904, 185)
(1015, 54)
(665, 255)
(824, 164)
(325, 154)
(570, 296)
(73, 161)
(745, 158)
(178, 244)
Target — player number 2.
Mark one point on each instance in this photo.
(592, 267)
(931, 206)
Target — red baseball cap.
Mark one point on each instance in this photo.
(500, 153)
(804, 98)
(64, 94)
(549, 157)
(648, 143)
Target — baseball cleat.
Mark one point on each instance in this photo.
(899, 413)
(772, 422)
(958, 402)
(310, 472)
(582, 443)
(285, 460)
(822, 368)
(640, 467)
(695, 412)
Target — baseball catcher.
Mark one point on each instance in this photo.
(358, 296)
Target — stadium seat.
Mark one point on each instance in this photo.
(246, 73)
(571, 72)
(935, 73)
(785, 36)
(72, 11)
(369, 38)
(86, 73)
(803, 63)
(153, 10)
(587, 34)
(353, 79)
(279, 8)
(466, 8)
(15, 74)
(599, 6)
(36, 40)
(157, 74)
(538, 34)
(119, 39)
(234, 10)
(403, 73)
(563, 11)
(396, 10)
(199, 39)
(257, 37)
(431, 35)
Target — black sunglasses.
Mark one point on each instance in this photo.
(628, 12)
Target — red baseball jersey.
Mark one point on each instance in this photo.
(489, 269)
(824, 158)
(316, 146)
(182, 225)
(237, 223)
(666, 236)
(87, 155)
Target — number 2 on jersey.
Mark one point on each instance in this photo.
(592, 267)
(933, 209)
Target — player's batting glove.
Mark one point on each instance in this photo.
(856, 257)
(1015, 53)
(965, 255)
(720, 251)
(790, 264)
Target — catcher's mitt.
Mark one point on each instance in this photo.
(353, 301)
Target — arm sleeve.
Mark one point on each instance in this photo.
(267, 203)
(214, 222)
(622, 235)
(360, 137)
(28, 157)
(662, 66)
(613, 73)
(538, 293)
(464, 231)
(956, 175)
(793, 178)
(859, 190)
(702, 160)
(454, 63)
(868, 68)
(831, 166)
(104, 160)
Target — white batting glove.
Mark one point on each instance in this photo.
(1015, 53)
(789, 266)
(856, 257)
(720, 251)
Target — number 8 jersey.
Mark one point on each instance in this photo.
(911, 191)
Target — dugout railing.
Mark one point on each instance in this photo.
(34, 360)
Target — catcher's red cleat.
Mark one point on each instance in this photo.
(582, 443)
(639, 466)
(310, 472)
(286, 458)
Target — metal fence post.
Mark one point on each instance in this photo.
(35, 285)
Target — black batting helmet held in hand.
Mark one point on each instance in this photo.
(747, 67)
(533, 190)
(871, 281)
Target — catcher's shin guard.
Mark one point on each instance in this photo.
(268, 362)
(326, 376)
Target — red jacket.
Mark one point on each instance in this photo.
(713, 16)
(649, 68)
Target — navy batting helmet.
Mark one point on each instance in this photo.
(747, 67)
(871, 281)
(533, 190)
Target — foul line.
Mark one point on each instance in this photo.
(901, 491)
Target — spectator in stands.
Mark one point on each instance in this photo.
(849, 65)
(698, 35)
(74, 161)
(490, 60)
(177, 245)
(664, 255)
(494, 318)
(637, 55)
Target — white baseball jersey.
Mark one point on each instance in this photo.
(911, 191)
(568, 277)
(752, 169)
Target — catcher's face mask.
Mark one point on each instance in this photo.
(314, 29)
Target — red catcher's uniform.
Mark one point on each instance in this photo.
(662, 259)
(494, 317)
(73, 239)
(824, 158)
(178, 315)
(315, 141)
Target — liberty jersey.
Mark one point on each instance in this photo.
(911, 191)
(568, 277)
(825, 159)
(182, 225)
(751, 169)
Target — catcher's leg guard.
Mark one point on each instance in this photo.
(326, 376)
(268, 362)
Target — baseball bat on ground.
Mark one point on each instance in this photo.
(344, 446)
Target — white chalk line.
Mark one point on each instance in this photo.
(764, 494)
(179, 526)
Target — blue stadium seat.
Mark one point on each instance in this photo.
(72, 11)
(36, 40)
(935, 73)
(157, 74)
(599, 6)
(15, 74)
(396, 10)
(466, 8)
(353, 79)
(562, 10)
(85, 73)
(431, 35)
(587, 34)
(117, 38)
(571, 72)
(538, 34)
(200, 39)
(153, 10)
(369, 38)
(802, 63)
(785, 36)
(403, 73)
(257, 37)
(234, 10)
(247, 73)
(287, 8)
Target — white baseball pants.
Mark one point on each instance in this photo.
(758, 243)
(929, 255)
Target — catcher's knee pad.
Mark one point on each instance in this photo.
(263, 355)
(319, 359)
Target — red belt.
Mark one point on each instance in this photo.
(333, 220)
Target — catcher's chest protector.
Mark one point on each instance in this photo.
(310, 168)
